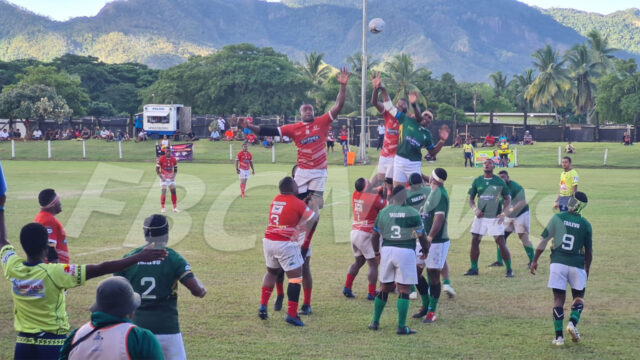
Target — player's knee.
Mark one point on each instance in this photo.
(388, 181)
(383, 295)
(578, 295)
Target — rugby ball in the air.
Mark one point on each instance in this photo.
(376, 25)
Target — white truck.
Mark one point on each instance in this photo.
(166, 119)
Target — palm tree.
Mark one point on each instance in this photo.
(401, 76)
(499, 83)
(355, 63)
(314, 68)
(585, 68)
(601, 47)
(522, 82)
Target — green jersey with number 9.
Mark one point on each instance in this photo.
(157, 284)
(399, 226)
(571, 235)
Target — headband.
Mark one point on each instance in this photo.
(435, 177)
(51, 204)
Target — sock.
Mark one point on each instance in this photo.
(474, 265)
(174, 199)
(434, 297)
(423, 289)
(558, 318)
(576, 310)
(280, 288)
(266, 294)
(349, 282)
(403, 309)
(529, 251)
(372, 289)
(378, 306)
(498, 256)
(307, 296)
(163, 199)
(446, 281)
(293, 293)
(243, 187)
(508, 264)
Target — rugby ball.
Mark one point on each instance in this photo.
(376, 25)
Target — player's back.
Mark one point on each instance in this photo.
(285, 213)
(399, 226)
(365, 207)
(572, 236)
(417, 197)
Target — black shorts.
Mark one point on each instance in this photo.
(467, 155)
(329, 143)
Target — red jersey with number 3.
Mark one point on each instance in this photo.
(285, 214)
(391, 133)
(244, 160)
(310, 139)
(166, 165)
(56, 232)
(365, 208)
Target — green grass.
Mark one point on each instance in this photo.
(492, 317)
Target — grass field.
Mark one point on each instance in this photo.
(219, 233)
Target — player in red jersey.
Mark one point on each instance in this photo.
(366, 203)
(391, 133)
(244, 160)
(167, 168)
(310, 136)
(288, 217)
(50, 206)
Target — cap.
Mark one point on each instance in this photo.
(116, 297)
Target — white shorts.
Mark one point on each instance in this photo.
(520, 224)
(403, 168)
(422, 263)
(398, 265)
(311, 179)
(282, 254)
(361, 244)
(385, 166)
(172, 346)
(437, 255)
(168, 182)
(244, 174)
(487, 226)
(560, 275)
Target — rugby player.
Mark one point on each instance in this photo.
(50, 206)
(244, 161)
(391, 130)
(288, 216)
(157, 283)
(366, 203)
(167, 168)
(571, 255)
(398, 225)
(488, 215)
(517, 219)
(568, 185)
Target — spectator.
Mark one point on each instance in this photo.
(626, 139)
(4, 135)
(110, 136)
(37, 134)
(165, 142)
(473, 141)
(513, 139)
(528, 139)
(330, 140)
(252, 139)
(76, 133)
(380, 135)
(191, 136)
(65, 135)
(228, 135)
(85, 134)
(458, 142)
(267, 142)
(142, 136)
(569, 149)
(502, 138)
(96, 133)
(176, 135)
(215, 135)
(221, 125)
(489, 141)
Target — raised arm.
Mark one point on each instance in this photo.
(376, 82)
(343, 79)
(109, 267)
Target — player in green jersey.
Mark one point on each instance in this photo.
(157, 284)
(489, 189)
(571, 255)
(398, 225)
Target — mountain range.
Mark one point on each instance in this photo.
(468, 38)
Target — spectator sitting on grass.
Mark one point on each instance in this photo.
(489, 141)
(528, 139)
(37, 134)
(626, 139)
(191, 136)
(252, 139)
(110, 136)
(215, 136)
(17, 135)
(85, 134)
(458, 142)
(104, 134)
(569, 149)
(4, 135)
(142, 136)
(513, 139)
(96, 133)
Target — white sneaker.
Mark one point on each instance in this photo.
(413, 295)
(573, 331)
(449, 290)
(163, 210)
(175, 210)
(559, 341)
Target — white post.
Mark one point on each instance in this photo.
(606, 152)
(273, 153)
(515, 157)
(49, 149)
(230, 152)
(120, 149)
(13, 149)
(362, 151)
(84, 149)
(559, 156)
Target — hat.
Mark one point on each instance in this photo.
(115, 296)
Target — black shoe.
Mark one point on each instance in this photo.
(262, 312)
(305, 309)
(405, 331)
(509, 273)
(371, 297)
(496, 264)
(374, 326)
(294, 320)
(277, 306)
(471, 272)
(421, 313)
(347, 292)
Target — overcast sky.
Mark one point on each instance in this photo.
(65, 9)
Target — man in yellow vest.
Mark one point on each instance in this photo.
(568, 185)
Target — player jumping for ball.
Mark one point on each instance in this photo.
(167, 168)
(244, 160)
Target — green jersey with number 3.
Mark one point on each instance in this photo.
(399, 226)
(157, 284)
(572, 236)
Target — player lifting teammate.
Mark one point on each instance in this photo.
(288, 216)
(309, 135)
(571, 255)
(167, 168)
(50, 206)
(244, 161)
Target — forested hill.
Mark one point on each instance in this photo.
(621, 27)
(469, 38)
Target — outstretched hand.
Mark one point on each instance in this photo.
(343, 77)
(376, 81)
(413, 97)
